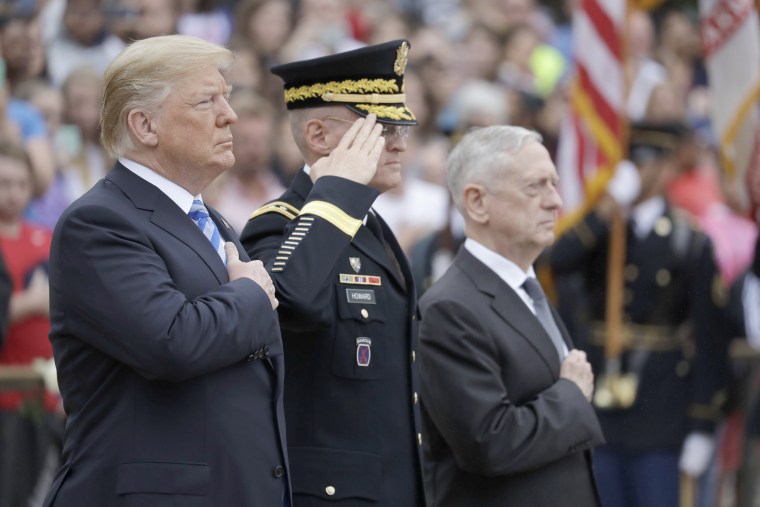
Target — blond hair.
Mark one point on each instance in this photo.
(142, 76)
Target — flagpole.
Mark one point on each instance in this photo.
(614, 304)
(687, 497)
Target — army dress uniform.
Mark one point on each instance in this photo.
(348, 314)
(670, 328)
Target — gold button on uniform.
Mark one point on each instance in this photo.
(662, 277)
(631, 272)
(330, 490)
(364, 313)
(414, 356)
(663, 226)
(419, 438)
(415, 398)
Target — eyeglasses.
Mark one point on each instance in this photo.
(389, 131)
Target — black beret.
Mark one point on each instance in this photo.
(366, 80)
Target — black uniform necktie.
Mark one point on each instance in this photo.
(373, 224)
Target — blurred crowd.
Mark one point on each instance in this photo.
(472, 63)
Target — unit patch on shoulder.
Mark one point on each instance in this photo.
(359, 279)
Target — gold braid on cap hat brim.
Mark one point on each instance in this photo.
(388, 112)
(360, 88)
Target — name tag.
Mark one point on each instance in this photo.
(366, 297)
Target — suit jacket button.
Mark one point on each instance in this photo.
(278, 471)
(365, 313)
(330, 490)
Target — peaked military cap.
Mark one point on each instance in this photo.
(366, 80)
(654, 140)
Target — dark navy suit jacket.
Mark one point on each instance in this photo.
(503, 428)
(171, 375)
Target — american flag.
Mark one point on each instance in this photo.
(591, 140)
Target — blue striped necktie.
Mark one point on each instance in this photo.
(200, 216)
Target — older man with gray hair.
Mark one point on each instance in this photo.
(505, 397)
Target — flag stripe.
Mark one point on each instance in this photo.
(601, 64)
(605, 112)
(591, 141)
(603, 26)
(604, 137)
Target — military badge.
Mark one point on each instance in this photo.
(359, 279)
(363, 351)
(356, 263)
(402, 54)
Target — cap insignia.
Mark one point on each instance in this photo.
(392, 112)
(401, 57)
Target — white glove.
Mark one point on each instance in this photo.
(696, 454)
(46, 368)
(625, 185)
(750, 294)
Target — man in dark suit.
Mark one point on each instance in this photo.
(169, 363)
(505, 396)
(348, 305)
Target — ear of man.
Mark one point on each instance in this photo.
(142, 127)
(474, 203)
(316, 138)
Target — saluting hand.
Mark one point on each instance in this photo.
(356, 156)
(253, 270)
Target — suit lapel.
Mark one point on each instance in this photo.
(227, 232)
(168, 216)
(510, 308)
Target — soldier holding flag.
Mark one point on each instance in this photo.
(660, 367)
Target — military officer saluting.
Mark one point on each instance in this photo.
(347, 300)
(659, 368)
